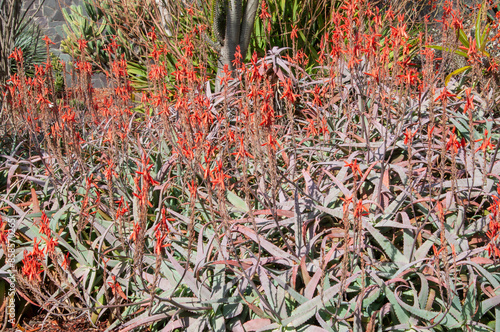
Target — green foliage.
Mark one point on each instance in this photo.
(101, 23)
(58, 72)
(310, 17)
(473, 49)
(130, 25)
(79, 26)
(30, 42)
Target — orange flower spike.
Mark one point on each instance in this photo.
(311, 128)
(445, 95)
(410, 77)
(272, 142)
(374, 74)
(288, 91)
(207, 172)
(193, 188)
(453, 143)
(219, 177)
(430, 130)
(122, 208)
(84, 67)
(408, 136)
(318, 93)
(47, 41)
(185, 150)
(135, 232)
(112, 284)
(157, 73)
(152, 35)
(495, 207)
(227, 77)
(360, 209)
(353, 166)
(267, 115)
(44, 225)
(264, 14)
(254, 73)
(469, 101)
(78, 138)
(486, 142)
(66, 262)
(17, 55)
(230, 136)
(164, 219)
(497, 252)
(293, 34)
(237, 57)
(109, 171)
(111, 47)
(456, 22)
(82, 44)
(346, 204)
(116, 288)
(440, 210)
(491, 235)
(242, 153)
(42, 100)
(435, 250)
(155, 54)
(493, 66)
(3, 232)
(50, 244)
(324, 127)
(189, 47)
(90, 182)
(69, 116)
(146, 176)
(32, 267)
(159, 242)
(377, 18)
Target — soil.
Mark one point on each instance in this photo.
(53, 325)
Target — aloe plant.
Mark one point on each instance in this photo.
(102, 23)
(16, 29)
(350, 198)
(34, 50)
(80, 25)
(473, 49)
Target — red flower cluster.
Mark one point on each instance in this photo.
(144, 181)
(161, 232)
(32, 266)
(493, 233)
(50, 242)
(3, 232)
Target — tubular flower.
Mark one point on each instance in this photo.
(3, 232)
(32, 268)
(135, 232)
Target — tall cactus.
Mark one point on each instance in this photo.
(232, 23)
(235, 30)
(219, 13)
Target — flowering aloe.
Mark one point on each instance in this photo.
(473, 49)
